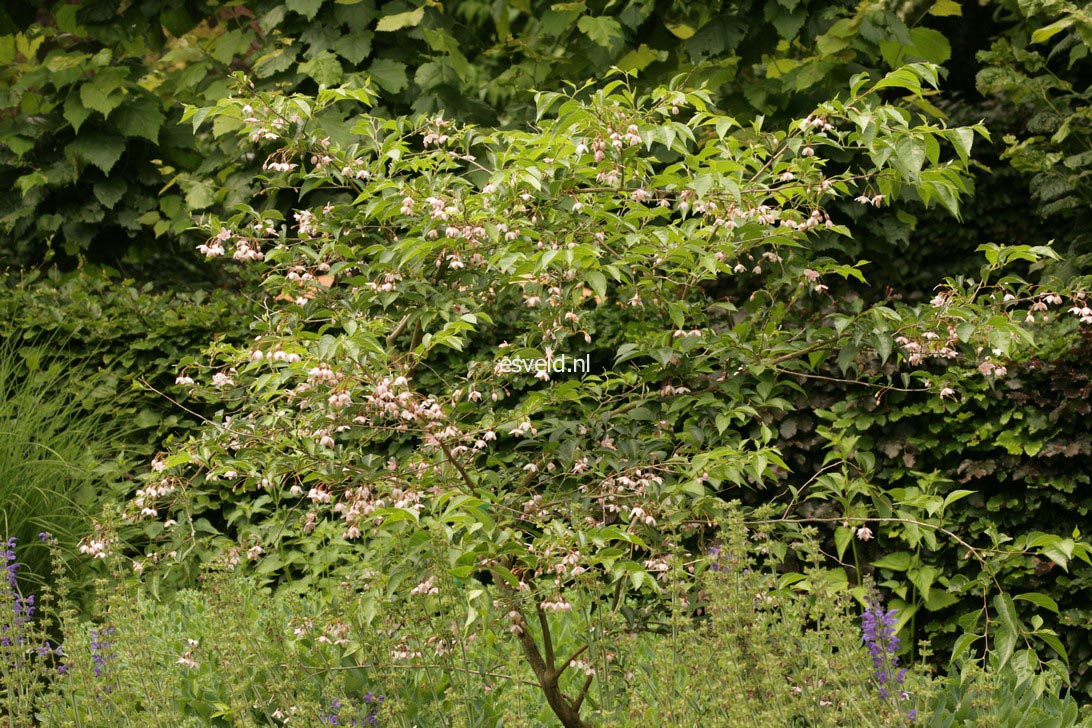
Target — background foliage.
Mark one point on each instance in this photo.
(105, 182)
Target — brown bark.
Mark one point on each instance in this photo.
(547, 672)
(566, 710)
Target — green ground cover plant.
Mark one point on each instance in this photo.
(745, 642)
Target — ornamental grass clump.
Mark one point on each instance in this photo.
(51, 451)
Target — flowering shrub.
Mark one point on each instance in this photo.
(694, 264)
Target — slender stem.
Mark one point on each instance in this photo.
(547, 641)
(458, 466)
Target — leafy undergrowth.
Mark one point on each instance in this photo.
(746, 644)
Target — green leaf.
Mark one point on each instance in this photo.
(962, 139)
(28, 182)
(94, 97)
(923, 579)
(178, 458)
(324, 68)
(787, 24)
(602, 30)
(1009, 631)
(75, 113)
(946, 8)
(1039, 600)
(639, 58)
(842, 538)
(108, 191)
(598, 283)
(962, 644)
(141, 118)
(100, 149)
(939, 599)
(20, 145)
(956, 495)
(931, 45)
(1049, 31)
(276, 61)
(884, 345)
(911, 153)
(408, 19)
(390, 75)
(903, 78)
(199, 194)
(307, 8)
(680, 30)
(354, 47)
(898, 561)
(1004, 643)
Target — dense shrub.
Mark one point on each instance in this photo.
(125, 343)
(1016, 448)
(692, 266)
(92, 146)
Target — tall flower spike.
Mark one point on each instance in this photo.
(878, 629)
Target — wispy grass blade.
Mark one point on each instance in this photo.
(51, 446)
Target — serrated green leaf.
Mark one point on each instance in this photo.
(324, 68)
(354, 47)
(100, 149)
(639, 58)
(601, 30)
(141, 118)
(95, 98)
(20, 145)
(75, 113)
(787, 24)
(276, 61)
(307, 8)
(108, 191)
(199, 193)
(389, 75)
